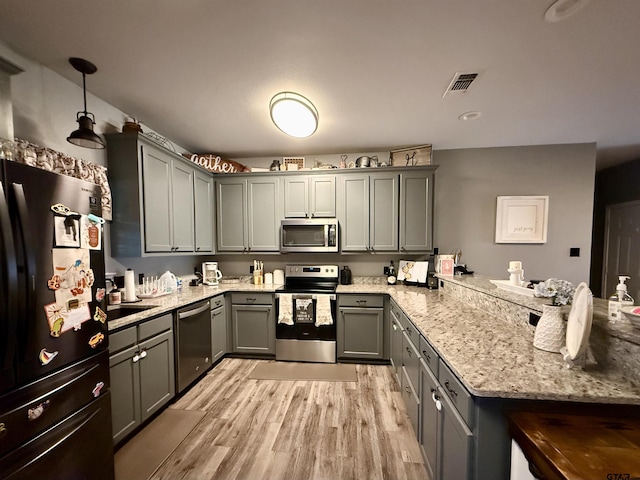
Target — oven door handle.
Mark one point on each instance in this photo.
(314, 296)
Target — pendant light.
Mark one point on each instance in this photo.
(85, 136)
(294, 114)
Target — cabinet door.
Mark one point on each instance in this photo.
(416, 212)
(253, 329)
(395, 335)
(218, 334)
(263, 214)
(322, 196)
(456, 442)
(125, 392)
(296, 197)
(354, 213)
(203, 193)
(429, 418)
(383, 218)
(231, 208)
(182, 207)
(411, 402)
(156, 181)
(157, 373)
(361, 333)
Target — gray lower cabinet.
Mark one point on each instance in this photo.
(368, 212)
(253, 324)
(248, 214)
(395, 341)
(361, 327)
(141, 365)
(218, 328)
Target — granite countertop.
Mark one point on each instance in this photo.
(492, 357)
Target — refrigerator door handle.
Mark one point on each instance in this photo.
(8, 294)
(29, 263)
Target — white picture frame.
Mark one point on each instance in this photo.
(522, 219)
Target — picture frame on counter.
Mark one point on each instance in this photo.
(419, 155)
(522, 219)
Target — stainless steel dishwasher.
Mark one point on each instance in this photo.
(193, 343)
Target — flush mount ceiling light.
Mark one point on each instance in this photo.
(562, 9)
(85, 136)
(469, 116)
(294, 114)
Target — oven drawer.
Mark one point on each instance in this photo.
(249, 298)
(362, 301)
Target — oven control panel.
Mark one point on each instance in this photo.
(312, 271)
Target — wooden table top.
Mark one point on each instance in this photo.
(578, 446)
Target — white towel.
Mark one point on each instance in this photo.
(285, 309)
(323, 310)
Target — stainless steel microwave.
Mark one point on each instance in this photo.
(309, 235)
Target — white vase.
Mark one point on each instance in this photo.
(551, 331)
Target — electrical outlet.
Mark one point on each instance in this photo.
(533, 319)
(574, 252)
(386, 270)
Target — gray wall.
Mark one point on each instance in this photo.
(468, 183)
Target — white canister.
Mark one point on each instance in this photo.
(268, 278)
(278, 277)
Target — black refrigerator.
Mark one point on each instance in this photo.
(55, 405)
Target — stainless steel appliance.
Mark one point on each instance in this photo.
(193, 342)
(309, 235)
(307, 290)
(55, 403)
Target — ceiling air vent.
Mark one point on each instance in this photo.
(460, 83)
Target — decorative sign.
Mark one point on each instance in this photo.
(216, 164)
(412, 156)
(522, 219)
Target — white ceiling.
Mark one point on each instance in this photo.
(202, 72)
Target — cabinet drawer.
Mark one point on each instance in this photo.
(363, 301)
(155, 326)
(411, 361)
(429, 355)
(217, 301)
(411, 401)
(393, 306)
(457, 393)
(122, 339)
(249, 298)
(410, 329)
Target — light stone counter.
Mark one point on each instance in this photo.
(492, 355)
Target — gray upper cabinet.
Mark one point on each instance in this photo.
(249, 214)
(154, 199)
(204, 193)
(309, 196)
(416, 211)
(368, 212)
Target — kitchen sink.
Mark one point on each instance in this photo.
(126, 310)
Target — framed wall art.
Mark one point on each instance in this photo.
(522, 219)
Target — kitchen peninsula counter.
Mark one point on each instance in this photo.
(492, 356)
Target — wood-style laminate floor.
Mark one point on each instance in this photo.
(295, 430)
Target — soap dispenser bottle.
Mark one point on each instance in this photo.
(619, 299)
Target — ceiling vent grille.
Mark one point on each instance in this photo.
(460, 83)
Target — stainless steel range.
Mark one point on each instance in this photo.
(306, 314)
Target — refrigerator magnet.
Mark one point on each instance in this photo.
(67, 231)
(97, 389)
(45, 356)
(100, 294)
(96, 340)
(90, 233)
(99, 315)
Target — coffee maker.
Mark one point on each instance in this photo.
(210, 273)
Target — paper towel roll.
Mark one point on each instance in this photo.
(129, 286)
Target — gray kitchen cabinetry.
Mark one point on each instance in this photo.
(253, 324)
(155, 205)
(361, 327)
(204, 194)
(218, 328)
(141, 367)
(310, 196)
(416, 211)
(248, 214)
(395, 340)
(368, 212)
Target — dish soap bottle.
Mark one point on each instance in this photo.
(391, 276)
(619, 299)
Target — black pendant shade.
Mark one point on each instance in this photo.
(84, 136)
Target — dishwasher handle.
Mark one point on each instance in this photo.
(195, 311)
